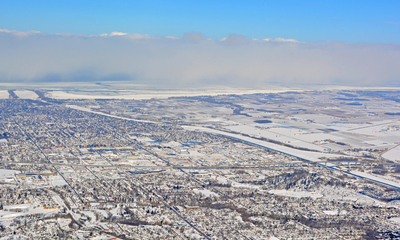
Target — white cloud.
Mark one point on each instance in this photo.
(138, 36)
(289, 40)
(118, 34)
(113, 34)
(18, 33)
(133, 36)
(172, 37)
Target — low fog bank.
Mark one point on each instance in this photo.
(194, 60)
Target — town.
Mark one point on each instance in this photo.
(289, 165)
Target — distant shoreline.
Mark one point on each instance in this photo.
(127, 90)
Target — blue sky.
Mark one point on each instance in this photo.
(348, 21)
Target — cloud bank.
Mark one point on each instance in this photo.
(194, 60)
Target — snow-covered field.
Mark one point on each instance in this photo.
(25, 94)
(56, 181)
(395, 219)
(5, 173)
(26, 209)
(149, 94)
(205, 193)
(298, 194)
(273, 133)
(4, 94)
(393, 154)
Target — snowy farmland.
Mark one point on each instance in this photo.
(393, 154)
(25, 94)
(4, 94)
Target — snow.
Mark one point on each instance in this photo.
(312, 137)
(348, 195)
(157, 93)
(171, 144)
(90, 215)
(195, 153)
(4, 94)
(115, 211)
(25, 94)
(64, 222)
(371, 129)
(17, 206)
(375, 178)
(235, 184)
(377, 142)
(393, 154)
(307, 155)
(56, 181)
(105, 114)
(145, 140)
(396, 220)
(17, 236)
(243, 185)
(141, 162)
(205, 192)
(5, 173)
(59, 201)
(27, 209)
(277, 134)
(104, 237)
(102, 212)
(335, 212)
(298, 194)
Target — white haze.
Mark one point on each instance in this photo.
(194, 60)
